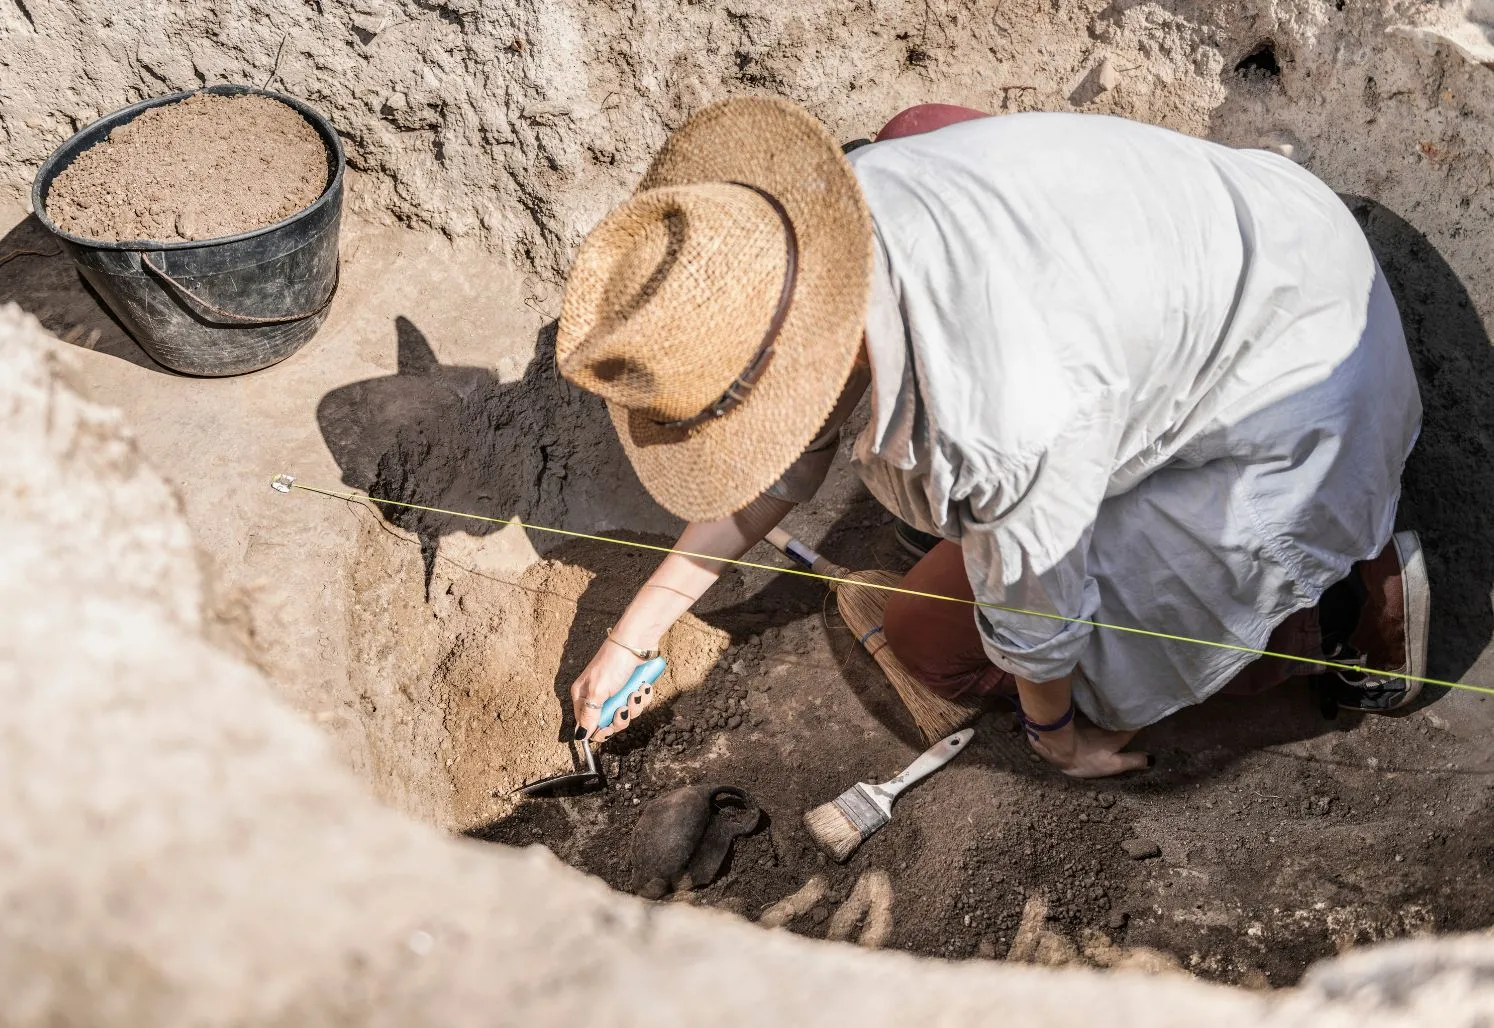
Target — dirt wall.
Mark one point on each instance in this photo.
(180, 848)
(518, 125)
(522, 121)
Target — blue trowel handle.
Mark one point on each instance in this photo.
(646, 673)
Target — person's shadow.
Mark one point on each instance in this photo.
(1448, 488)
(459, 439)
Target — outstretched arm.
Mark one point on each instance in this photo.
(674, 586)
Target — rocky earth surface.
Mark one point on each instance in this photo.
(1265, 839)
(521, 122)
(181, 848)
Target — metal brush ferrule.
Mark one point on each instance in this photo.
(862, 810)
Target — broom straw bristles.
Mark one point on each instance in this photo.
(833, 830)
(862, 609)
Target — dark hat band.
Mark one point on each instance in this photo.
(741, 386)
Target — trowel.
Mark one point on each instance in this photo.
(591, 779)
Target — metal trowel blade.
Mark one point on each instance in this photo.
(576, 783)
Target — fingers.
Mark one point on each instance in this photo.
(1124, 762)
(623, 716)
(605, 675)
(1103, 765)
(620, 721)
(585, 709)
(596, 689)
(642, 700)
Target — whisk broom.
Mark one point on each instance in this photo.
(861, 608)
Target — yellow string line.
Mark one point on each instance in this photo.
(1145, 632)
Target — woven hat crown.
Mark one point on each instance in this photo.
(670, 297)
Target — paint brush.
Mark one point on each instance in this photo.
(856, 814)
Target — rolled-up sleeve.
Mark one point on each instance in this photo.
(1039, 631)
(1025, 542)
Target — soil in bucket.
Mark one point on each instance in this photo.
(207, 167)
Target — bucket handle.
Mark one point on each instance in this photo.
(229, 318)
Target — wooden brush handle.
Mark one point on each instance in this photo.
(803, 555)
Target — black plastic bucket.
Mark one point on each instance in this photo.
(213, 306)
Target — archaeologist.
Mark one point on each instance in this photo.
(1116, 374)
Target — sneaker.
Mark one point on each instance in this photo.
(915, 542)
(1391, 631)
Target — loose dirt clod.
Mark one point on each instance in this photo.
(206, 167)
(870, 905)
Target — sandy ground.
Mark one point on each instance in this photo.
(435, 652)
(425, 345)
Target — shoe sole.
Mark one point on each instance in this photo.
(1416, 591)
(911, 548)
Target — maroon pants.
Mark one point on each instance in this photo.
(938, 641)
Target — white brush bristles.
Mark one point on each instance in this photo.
(834, 831)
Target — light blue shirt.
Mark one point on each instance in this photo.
(1142, 379)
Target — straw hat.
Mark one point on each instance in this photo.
(719, 310)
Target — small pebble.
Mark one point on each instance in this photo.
(1141, 849)
(1107, 78)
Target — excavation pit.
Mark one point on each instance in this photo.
(434, 653)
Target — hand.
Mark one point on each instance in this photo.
(603, 678)
(1080, 750)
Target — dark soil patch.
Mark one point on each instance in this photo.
(1283, 837)
(206, 167)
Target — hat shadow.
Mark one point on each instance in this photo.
(461, 440)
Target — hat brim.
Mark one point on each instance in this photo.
(717, 468)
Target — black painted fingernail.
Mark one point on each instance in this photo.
(1151, 761)
(623, 714)
(637, 698)
(648, 690)
(580, 732)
